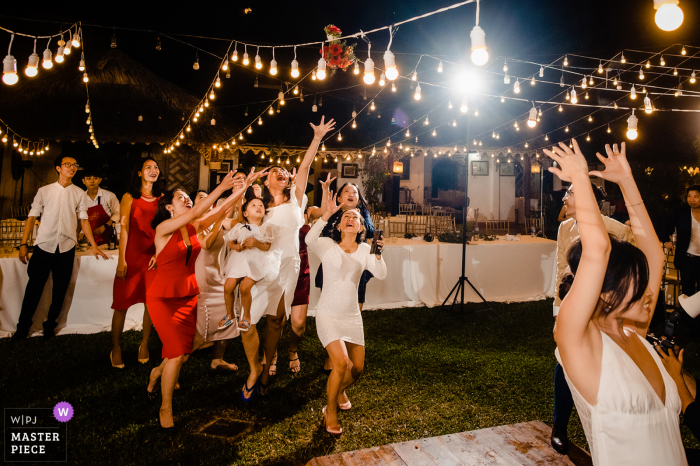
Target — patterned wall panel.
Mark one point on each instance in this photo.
(182, 168)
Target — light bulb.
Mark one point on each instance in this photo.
(354, 124)
(609, 130)
(648, 64)
(369, 78)
(47, 63)
(59, 55)
(561, 109)
(250, 130)
(258, 62)
(465, 105)
(393, 87)
(692, 77)
(246, 61)
(506, 79)
(454, 123)
(633, 93)
(321, 72)
(81, 65)
(615, 81)
(662, 61)
(188, 129)
(561, 81)
(417, 95)
(408, 133)
(600, 67)
(532, 119)
(516, 87)
(217, 83)
(532, 81)
(225, 65)
(296, 90)
(476, 112)
(272, 112)
(273, 67)
(568, 95)
(675, 71)
(574, 99)
(449, 104)
(371, 105)
(295, 68)
(584, 84)
(9, 70)
(32, 65)
(356, 68)
(85, 77)
(541, 71)
(427, 121)
(388, 142)
(382, 79)
(439, 68)
(479, 53)
(587, 97)
(566, 130)
(632, 126)
(390, 66)
(206, 103)
(414, 76)
(590, 118)
(76, 39)
(566, 60)
(195, 65)
(260, 122)
(683, 52)
(647, 104)
(434, 133)
(668, 15)
(546, 137)
(590, 80)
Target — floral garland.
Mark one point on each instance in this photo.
(337, 53)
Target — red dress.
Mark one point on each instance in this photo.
(172, 295)
(139, 250)
(301, 293)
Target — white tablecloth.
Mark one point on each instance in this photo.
(87, 307)
(419, 274)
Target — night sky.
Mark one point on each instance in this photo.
(537, 31)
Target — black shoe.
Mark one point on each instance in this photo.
(559, 440)
(49, 334)
(326, 371)
(18, 336)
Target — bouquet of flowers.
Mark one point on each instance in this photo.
(337, 53)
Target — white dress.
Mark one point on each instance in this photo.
(253, 263)
(210, 304)
(629, 425)
(285, 221)
(338, 314)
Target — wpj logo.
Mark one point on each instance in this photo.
(37, 434)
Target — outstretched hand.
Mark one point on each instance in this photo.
(571, 162)
(323, 128)
(617, 168)
(228, 182)
(331, 206)
(326, 186)
(253, 175)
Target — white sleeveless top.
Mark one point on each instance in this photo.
(630, 425)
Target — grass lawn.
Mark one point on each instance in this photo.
(428, 372)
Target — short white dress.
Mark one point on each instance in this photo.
(338, 314)
(285, 220)
(629, 424)
(253, 263)
(210, 304)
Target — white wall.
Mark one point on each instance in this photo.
(493, 195)
(416, 183)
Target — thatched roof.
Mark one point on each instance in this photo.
(52, 105)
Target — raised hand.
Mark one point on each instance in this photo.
(322, 128)
(331, 206)
(326, 186)
(228, 182)
(617, 168)
(572, 162)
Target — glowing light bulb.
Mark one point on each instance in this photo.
(566, 60)
(417, 95)
(561, 109)
(516, 87)
(546, 137)
(668, 15)
(246, 61)
(371, 105)
(9, 70)
(369, 78)
(532, 119)
(434, 133)
(439, 68)
(414, 76)
(641, 72)
(258, 62)
(692, 77)
(683, 52)
(590, 118)
(354, 124)
(449, 104)
(590, 80)
(271, 111)
(584, 84)
(566, 130)
(454, 122)
(273, 67)
(600, 67)
(321, 71)
(356, 68)
(32, 66)
(633, 93)
(648, 64)
(541, 71)
(260, 122)
(647, 105)
(85, 77)
(568, 95)
(479, 53)
(408, 133)
(295, 68)
(465, 105)
(393, 87)
(390, 66)
(532, 81)
(382, 79)
(47, 62)
(250, 130)
(632, 126)
(609, 130)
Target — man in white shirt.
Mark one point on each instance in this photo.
(60, 205)
(102, 206)
(568, 233)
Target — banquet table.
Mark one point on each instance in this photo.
(420, 273)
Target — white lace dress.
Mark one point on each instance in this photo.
(253, 263)
(629, 425)
(338, 314)
(285, 221)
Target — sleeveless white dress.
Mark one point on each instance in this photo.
(253, 263)
(338, 314)
(284, 220)
(630, 425)
(210, 304)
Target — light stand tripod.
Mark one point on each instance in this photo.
(463, 280)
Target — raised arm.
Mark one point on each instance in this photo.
(303, 173)
(573, 322)
(617, 170)
(173, 224)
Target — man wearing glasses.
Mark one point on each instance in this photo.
(60, 205)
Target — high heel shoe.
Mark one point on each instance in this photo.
(336, 430)
(118, 366)
(167, 430)
(153, 395)
(345, 406)
(144, 360)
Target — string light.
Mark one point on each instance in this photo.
(449, 104)
(217, 83)
(273, 64)
(369, 70)
(632, 126)
(439, 68)
(583, 83)
(516, 87)
(505, 66)
(647, 105)
(532, 120)
(393, 87)
(258, 60)
(692, 77)
(85, 77)
(574, 99)
(434, 132)
(195, 65)
(561, 109)
(668, 15)
(478, 37)
(454, 122)
(408, 133)
(648, 64)
(662, 62)
(354, 124)
(566, 60)
(389, 60)
(417, 95)
(371, 105)
(272, 111)
(683, 52)
(541, 71)
(566, 130)
(546, 137)
(590, 118)
(532, 81)
(9, 67)
(588, 137)
(590, 80)
(633, 93)
(382, 78)
(81, 65)
(600, 67)
(609, 130)
(260, 122)
(246, 61)
(321, 70)
(641, 72)
(295, 64)
(675, 71)
(47, 62)
(356, 68)
(414, 76)
(465, 105)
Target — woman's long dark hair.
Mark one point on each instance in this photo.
(362, 205)
(162, 213)
(268, 199)
(135, 182)
(627, 268)
(337, 236)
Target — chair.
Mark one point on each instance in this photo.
(376, 219)
(408, 209)
(535, 222)
(418, 224)
(442, 224)
(495, 227)
(21, 212)
(426, 209)
(11, 232)
(397, 227)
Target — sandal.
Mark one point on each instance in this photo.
(244, 325)
(294, 369)
(347, 406)
(225, 323)
(331, 430)
(251, 390)
(153, 396)
(273, 367)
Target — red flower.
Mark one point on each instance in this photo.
(333, 30)
(336, 49)
(334, 61)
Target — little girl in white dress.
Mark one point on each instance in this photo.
(249, 262)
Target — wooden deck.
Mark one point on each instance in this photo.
(526, 443)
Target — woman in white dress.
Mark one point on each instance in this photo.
(283, 197)
(628, 403)
(211, 302)
(344, 256)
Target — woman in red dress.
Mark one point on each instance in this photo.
(136, 249)
(172, 294)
